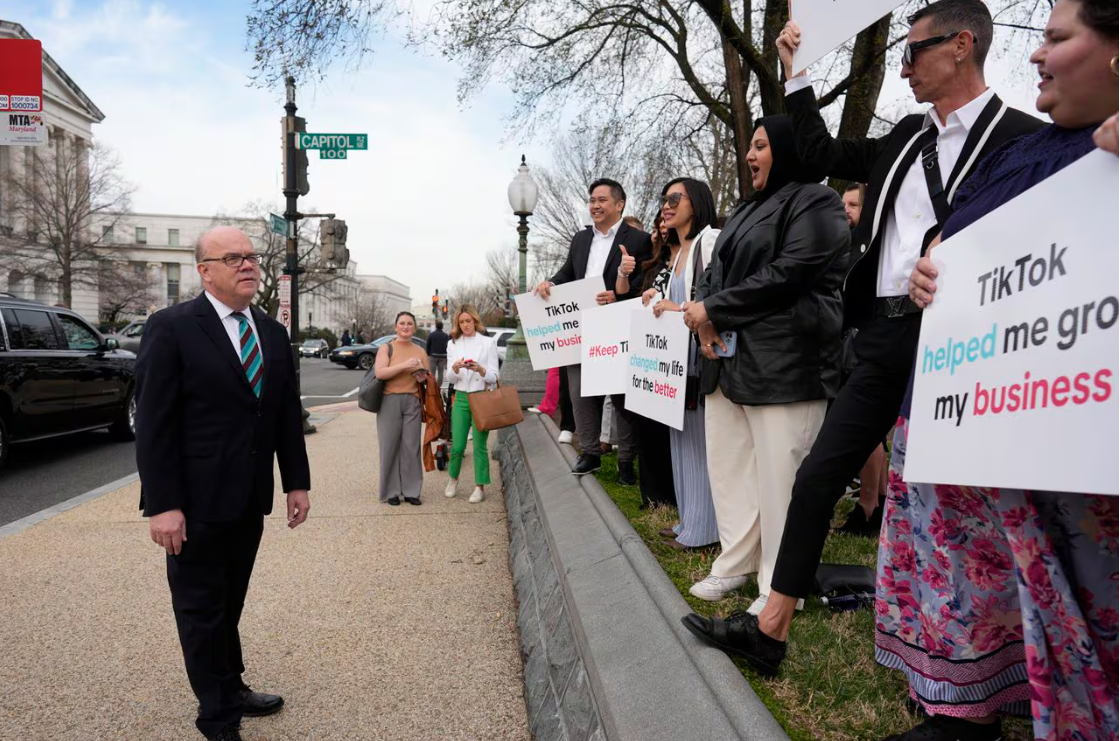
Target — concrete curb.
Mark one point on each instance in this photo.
(584, 576)
(18, 526)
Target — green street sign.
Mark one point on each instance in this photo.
(332, 154)
(306, 140)
(278, 225)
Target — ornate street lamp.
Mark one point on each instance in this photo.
(517, 369)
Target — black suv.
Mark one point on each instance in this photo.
(58, 376)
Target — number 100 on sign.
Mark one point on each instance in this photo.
(332, 154)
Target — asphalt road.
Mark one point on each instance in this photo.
(45, 473)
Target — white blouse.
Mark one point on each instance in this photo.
(482, 350)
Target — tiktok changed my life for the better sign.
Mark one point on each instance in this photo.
(552, 328)
(1016, 373)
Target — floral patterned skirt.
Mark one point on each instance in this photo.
(990, 599)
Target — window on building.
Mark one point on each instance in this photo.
(172, 237)
(107, 234)
(141, 235)
(172, 283)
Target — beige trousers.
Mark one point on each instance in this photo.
(753, 455)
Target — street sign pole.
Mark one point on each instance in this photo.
(291, 214)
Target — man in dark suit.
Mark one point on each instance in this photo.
(912, 174)
(216, 402)
(599, 250)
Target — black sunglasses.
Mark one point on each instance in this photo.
(911, 49)
(672, 200)
(235, 261)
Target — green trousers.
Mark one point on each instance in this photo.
(461, 423)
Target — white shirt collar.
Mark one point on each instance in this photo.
(608, 233)
(966, 115)
(224, 311)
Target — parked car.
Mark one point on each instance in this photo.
(129, 336)
(314, 349)
(59, 376)
(502, 335)
(362, 356)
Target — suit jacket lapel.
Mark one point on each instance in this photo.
(614, 257)
(977, 137)
(212, 325)
(582, 253)
(897, 174)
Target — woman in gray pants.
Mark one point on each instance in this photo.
(401, 365)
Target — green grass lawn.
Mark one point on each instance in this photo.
(830, 687)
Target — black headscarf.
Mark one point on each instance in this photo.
(787, 166)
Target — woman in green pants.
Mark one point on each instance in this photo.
(472, 359)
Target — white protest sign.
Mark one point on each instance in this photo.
(826, 24)
(1016, 373)
(658, 366)
(552, 328)
(606, 341)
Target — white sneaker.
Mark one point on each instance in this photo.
(449, 491)
(564, 437)
(714, 588)
(533, 410)
(758, 604)
(477, 495)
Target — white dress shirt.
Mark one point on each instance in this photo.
(912, 216)
(482, 350)
(601, 244)
(232, 326)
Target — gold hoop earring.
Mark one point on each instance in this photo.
(1114, 65)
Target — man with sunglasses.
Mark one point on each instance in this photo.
(216, 404)
(912, 174)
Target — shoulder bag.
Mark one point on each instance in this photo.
(372, 388)
(496, 408)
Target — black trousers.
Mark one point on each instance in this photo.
(567, 414)
(861, 415)
(209, 579)
(655, 461)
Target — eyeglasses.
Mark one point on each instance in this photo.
(235, 261)
(672, 200)
(911, 49)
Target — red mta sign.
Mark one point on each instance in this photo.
(21, 93)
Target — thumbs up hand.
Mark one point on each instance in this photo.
(628, 263)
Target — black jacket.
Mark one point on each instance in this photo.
(437, 343)
(638, 244)
(882, 164)
(784, 261)
(204, 443)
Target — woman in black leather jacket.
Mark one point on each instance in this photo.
(773, 290)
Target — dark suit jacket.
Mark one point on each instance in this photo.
(882, 164)
(638, 244)
(204, 443)
(774, 279)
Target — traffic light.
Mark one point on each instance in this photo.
(298, 126)
(332, 241)
(435, 302)
(444, 309)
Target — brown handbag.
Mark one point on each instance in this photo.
(496, 408)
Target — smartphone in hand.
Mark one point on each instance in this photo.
(730, 340)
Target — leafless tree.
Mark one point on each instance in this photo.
(123, 290)
(373, 313)
(56, 197)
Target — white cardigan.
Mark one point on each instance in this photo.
(482, 350)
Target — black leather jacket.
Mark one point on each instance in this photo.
(775, 279)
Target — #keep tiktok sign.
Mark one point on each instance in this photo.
(1016, 374)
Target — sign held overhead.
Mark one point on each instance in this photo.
(826, 24)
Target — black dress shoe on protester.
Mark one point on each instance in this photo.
(414, 501)
(739, 635)
(256, 704)
(229, 733)
(859, 524)
(944, 728)
(586, 464)
(626, 475)
(393, 501)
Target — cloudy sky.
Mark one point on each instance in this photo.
(424, 204)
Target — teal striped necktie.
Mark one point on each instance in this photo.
(250, 354)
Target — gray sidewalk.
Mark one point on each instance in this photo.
(374, 622)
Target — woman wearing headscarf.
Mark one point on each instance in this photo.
(989, 597)
(773, 290)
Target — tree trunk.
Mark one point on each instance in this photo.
(741, 124)
(67, 281)
(770, 89)
(859, 103)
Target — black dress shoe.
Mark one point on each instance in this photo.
(393, 501)
(944, 728)
(229, 733)
(626, 475)
(586, 464)
(859, 524)
(256, 704)
(739, 635)
(414, 501)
